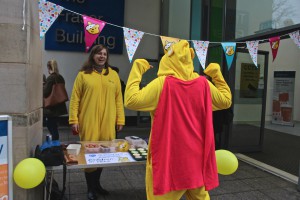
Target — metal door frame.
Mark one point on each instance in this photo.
(250, 148)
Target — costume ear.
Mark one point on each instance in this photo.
(170, 51)
(192, 53)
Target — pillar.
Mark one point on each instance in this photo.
(21, 81)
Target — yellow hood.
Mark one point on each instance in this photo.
(178, 62)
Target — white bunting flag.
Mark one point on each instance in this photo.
(201, 51)
(48, 12)
(253, 49)
(132, 40)
(295, 37)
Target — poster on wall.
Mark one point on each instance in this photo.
(283, 97)
(5, 158)
(249, 82)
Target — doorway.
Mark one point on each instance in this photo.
(246, 133)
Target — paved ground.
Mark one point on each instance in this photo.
(127, 183)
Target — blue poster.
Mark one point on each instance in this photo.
(3, 128)
(4, 174)
(67, 34)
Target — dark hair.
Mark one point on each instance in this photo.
(90, 64)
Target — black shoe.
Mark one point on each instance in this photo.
(91, 195)
(101, 190)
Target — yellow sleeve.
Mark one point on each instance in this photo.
(145, 99)
(220, 91)
(75, 100)
(119, 104)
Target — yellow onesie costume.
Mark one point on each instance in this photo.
(178, 63)
(96, 104)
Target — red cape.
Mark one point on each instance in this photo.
(182, 139)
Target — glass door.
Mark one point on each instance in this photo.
(246, 133)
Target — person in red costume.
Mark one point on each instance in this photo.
(181, 158)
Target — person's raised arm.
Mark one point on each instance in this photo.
(220, 91)
(144, 99)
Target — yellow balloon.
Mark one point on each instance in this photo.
(29, 173)
(227, 162)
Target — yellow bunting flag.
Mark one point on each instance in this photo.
(167, 42)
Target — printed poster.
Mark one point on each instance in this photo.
(5, 159)
(249, 87)
(283, 97)
(108, 158)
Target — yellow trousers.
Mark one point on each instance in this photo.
(191, 194)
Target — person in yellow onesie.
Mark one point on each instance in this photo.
(96, 107)
(176, 64)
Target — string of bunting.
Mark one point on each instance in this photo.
(48, 12)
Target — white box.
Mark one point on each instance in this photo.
(74, 149)
(136, 142)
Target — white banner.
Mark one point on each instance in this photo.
(108, 158)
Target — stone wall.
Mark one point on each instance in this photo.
(21, 81)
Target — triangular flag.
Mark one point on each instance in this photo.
(296, 37)
(92, 29)
(48, 12)
(167, 42)
(201, 51)
(229, 50)
(253, 48)
(132, 40)
(274, 43)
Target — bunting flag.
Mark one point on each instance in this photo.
(48, 12)
(229, 50)
(201, 48)
(167, 42)
(132, 40)
(92, 29)
(295, 37)
(274, 43)
(253, 49)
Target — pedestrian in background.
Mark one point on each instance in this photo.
(96, 108)
(51, 114)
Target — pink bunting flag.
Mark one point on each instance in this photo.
(201, 51)
(295, 37)
(274, 43)
(48, 12)
(132, 40)
(253, 48)
(92, 29)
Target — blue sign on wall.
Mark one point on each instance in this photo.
(3, 128)
(67, 32)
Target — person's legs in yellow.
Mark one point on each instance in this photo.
(192, 194)
(174, 195)
(197, 194)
